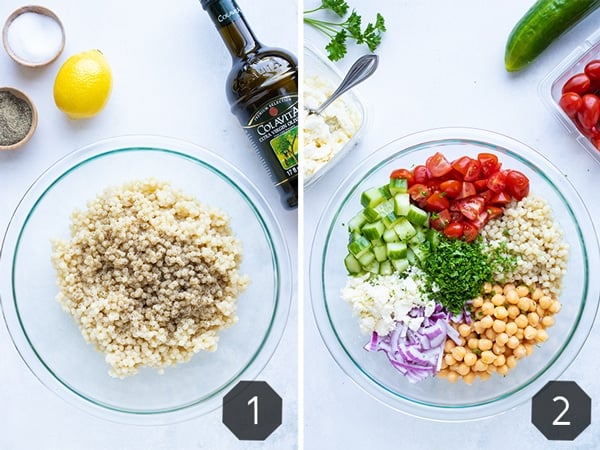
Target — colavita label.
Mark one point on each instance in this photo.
(225, 12)
(274, 130)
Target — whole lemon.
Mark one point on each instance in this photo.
(83, 84)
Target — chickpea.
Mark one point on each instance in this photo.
(485, 344)
(519, 334)
(484, 376)
(520, 351)
(486, 322)
(477, 327)
(511, 328)
(499, 326)
(463, 369)
(513, 311)
(502, 339)
(536, 294)
(503, 370)
(530, 332)
(487, 287)
(452, 377)
(443, 373)
(513, 342)
(545, 301)
(487, 308)
(480, 366)
(498, 349)
(490, 334)
(449, 359)
(500, 312)
(512, 297)
(500, 360)
(458, 353)
(528, 348)
(470, 359)
(508, 287)
(533, 318)
(555, 307)
(497, 289)
(523, 291)
(498, 299)
(521, 321)
(488, 357)
(511, 361)
(541, 336)
(548, 321)
(449, 345)
(464, 330)
(477, 302)
(473, 343)
(524, 303)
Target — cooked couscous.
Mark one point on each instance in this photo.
(150, 275)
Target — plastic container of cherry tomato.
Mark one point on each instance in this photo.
(572, 91)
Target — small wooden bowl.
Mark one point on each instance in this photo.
(34, 118)
(38, 10)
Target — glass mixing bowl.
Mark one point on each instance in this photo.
(436, 398)
(49, 340)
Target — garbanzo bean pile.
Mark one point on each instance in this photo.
(150, 275)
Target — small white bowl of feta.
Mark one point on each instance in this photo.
(328, 136)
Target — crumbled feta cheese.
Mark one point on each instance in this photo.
(325, 134)
(381, 300)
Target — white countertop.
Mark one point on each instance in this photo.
(169, 67)
(441, 65)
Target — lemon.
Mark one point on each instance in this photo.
(83, 84)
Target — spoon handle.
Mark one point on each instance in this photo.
(362, 69)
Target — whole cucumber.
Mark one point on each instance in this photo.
(541, 25)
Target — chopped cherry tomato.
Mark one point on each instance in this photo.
(497, 181)
(419, 193)
(452, 188)
(501, 198)
(461, 164)
(487, 195)
(571, 103)
(454, 230)
(481, 220)
(469, 232)
(440, 219)
(420, 174)
(592, 70)
(579, 83)
(472, 207)
(468, 189)
(489, 163)
(473, 171)
(437, 202)
(438, 165)
(480, 185)
(494, 211)
(517, 184)
(404, 173)
(589, 113)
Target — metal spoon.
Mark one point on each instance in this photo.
(362, 69)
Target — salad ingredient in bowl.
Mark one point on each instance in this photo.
(150, 275)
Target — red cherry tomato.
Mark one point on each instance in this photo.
(461, 165)
(472, 207)
(592, 70)
(473, 171)
(494, 211)
(437, 202)
(497, 182)
(452, 188)
(480, 185)
(469, 232)
(468, 189)
(454, 230)
(589, 114)
(489, 163)
(501, 198)
(517, 184)
(579, 83)
(571, 103)
(438, 165)
(420, 174)
(439, 220)
(403, 173)
(419, 193)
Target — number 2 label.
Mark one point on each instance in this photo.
(557, 421)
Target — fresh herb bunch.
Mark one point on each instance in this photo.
(351, 28)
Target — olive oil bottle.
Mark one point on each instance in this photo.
(262, 90)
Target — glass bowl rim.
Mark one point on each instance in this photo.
(320, 308)
(221, 168)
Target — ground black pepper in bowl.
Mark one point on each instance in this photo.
(17, 118)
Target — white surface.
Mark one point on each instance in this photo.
(441, 65)
(169, 67)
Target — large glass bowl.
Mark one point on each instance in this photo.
(49, 340)
(436, 398)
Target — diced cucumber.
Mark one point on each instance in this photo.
(373, 197)
(404, 229)
(359, 245)
(410, 255)
(356, 223)
(352, 264)
(390, 236)
(386, 268)
(372, 267)
(433, 237)
(400, 265)
(379, 211)
(373, 230)
(420, 252)
(401, 204)
(389, 220)
(416, 215)
(418, 238)
(377, 242)
(380, 252)
(397, 185)
(396, 250)
(366, 258)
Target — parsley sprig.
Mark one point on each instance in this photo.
(339, 33)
